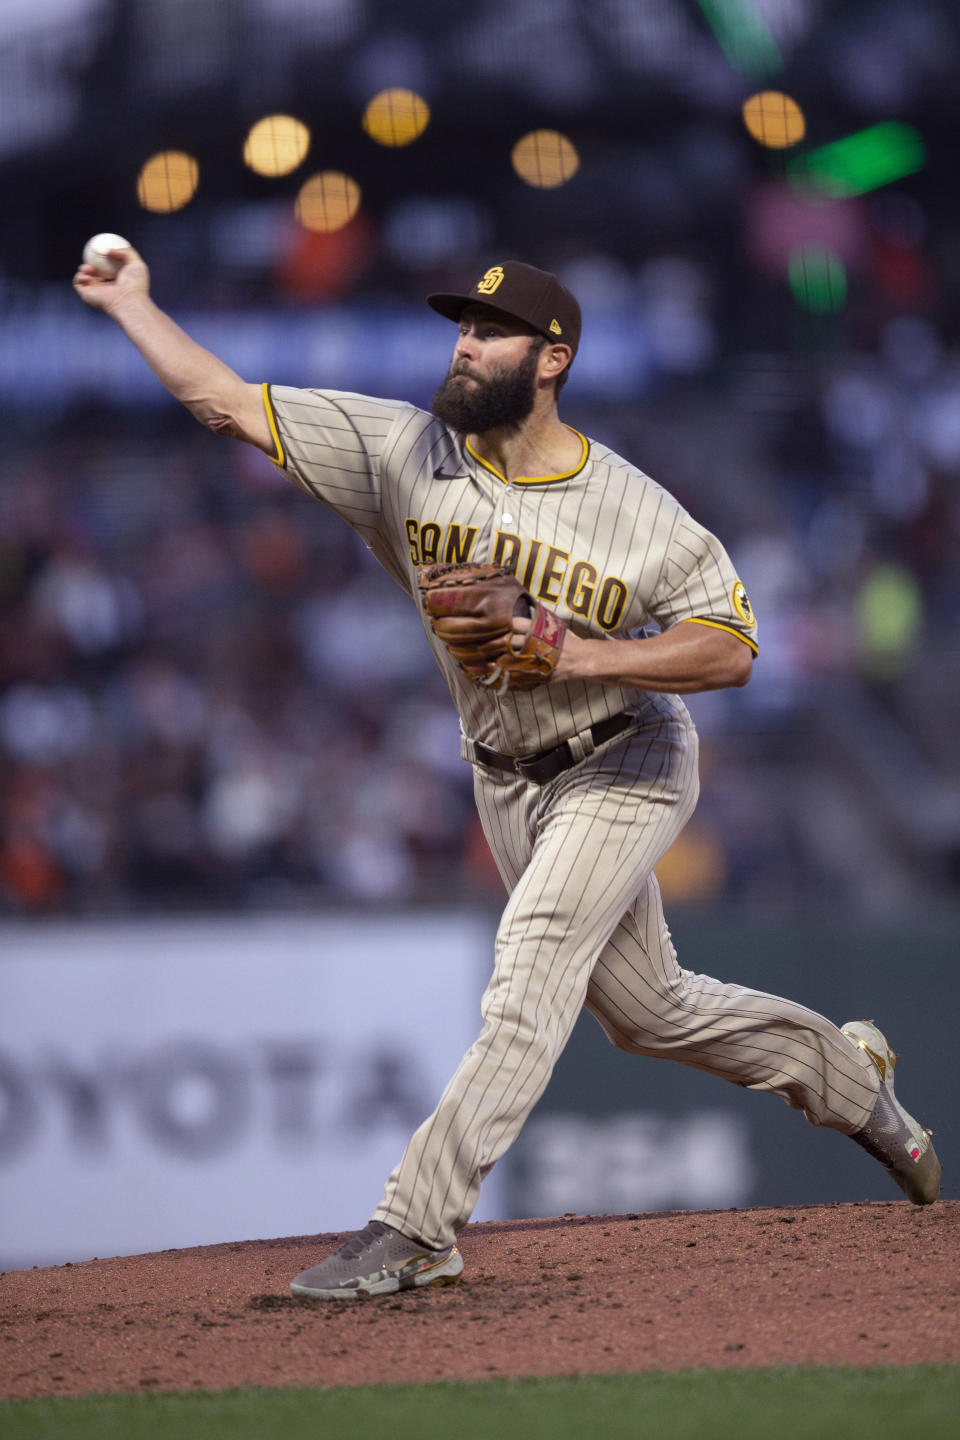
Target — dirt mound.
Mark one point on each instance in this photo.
(871, 1284)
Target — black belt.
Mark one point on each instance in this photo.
(550, 763)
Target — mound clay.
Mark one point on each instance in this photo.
(871, 1284)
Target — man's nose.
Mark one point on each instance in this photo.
(465, 348)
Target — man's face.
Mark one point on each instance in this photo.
(492, 381)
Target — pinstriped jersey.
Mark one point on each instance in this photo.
(604, 546)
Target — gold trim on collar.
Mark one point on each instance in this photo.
(537, 479)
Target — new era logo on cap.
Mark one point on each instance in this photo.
(524, 293)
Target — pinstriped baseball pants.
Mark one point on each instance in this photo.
(584, 926)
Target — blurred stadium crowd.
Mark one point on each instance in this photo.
(209, 694)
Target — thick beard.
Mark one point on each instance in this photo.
(502, 401)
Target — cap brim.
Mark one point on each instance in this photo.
(451, 307)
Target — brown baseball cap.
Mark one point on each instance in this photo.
(524, 293)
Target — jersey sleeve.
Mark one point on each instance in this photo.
(699, 584)
(331, 444)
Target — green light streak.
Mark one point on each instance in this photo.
(860, 162)
(743, 36)
(817, 279)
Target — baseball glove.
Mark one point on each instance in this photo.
(471, 609)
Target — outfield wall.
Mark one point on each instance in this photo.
(182, 1082)
(618, 1133)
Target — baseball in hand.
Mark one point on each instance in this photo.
(96, 253)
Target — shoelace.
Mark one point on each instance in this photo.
(363, 1238)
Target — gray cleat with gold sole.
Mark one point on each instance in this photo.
(378, 1260)
(891, 1135)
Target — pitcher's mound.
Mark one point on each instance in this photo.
(870, 1284)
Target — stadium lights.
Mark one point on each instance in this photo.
(743, 35)
(328, 201)
(545, 159)
(167, 181)
(859, 162)
(276, 145)
(396, 117)
(818, 279)
(774, 119)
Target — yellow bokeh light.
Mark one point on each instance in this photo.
(328, 201)
(168, 181)
(276, 145)
(396, 117)
(545, 158)
(773, 119)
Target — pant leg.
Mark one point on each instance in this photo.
(579, 850)
(648, 1005)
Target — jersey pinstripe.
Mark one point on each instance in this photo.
(606, 547)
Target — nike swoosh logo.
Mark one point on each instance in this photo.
(442, 474)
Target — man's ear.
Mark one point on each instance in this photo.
(554, 360)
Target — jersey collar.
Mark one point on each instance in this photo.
(537, 479)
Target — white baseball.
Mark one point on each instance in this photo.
(96, 253)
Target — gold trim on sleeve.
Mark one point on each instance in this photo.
(280, 458)
(730, 629)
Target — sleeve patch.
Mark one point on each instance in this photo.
(741, 604)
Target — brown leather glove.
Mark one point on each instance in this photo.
(471, 609)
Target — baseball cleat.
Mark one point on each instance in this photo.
(377, 1261)
(901, 1144)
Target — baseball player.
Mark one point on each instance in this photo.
(584, 756)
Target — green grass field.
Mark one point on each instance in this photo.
(695, 1405)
